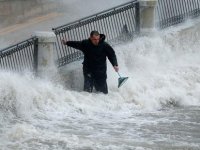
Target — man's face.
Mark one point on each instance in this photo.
(95, 39)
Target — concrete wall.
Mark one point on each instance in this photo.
(15, 11)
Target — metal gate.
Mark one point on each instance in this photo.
(118, 24)
(20, 57)
(172, 12)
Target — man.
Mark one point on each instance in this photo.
(95, 51)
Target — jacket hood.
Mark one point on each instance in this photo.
(102, 37)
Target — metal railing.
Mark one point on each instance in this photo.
(118, 24)
(20, 57)
(172, 12)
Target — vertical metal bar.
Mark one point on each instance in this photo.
(108, 28)
(2, 61)
(159, 13)
(119, 23)
(127, 20)
(195, 8)
(171, 10)
(25, 58)
(124, 25)
(176, 12)
(121, 18)
(180, 4)
(58, 47)
(84, 31)
(186, 8)
(167, 13)
(101, 25)
(113, 27)
(81, 37)
(77, 38)
(15, 60)
(30, 65)
(69, 49)
(190, 7)
(97, 24)
(163, 12)
(10, 62)
(74, 50)
(66, 36)
(60, 43)
(137, 19)
(19, 60)
(198, 7)
(5, 63)
(94, 24)
(105, 26)
(109, 19)
(35, 55)
(30, 56)
(132, 17)
(62, 35)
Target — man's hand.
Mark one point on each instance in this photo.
(116, 68)
(64, 42)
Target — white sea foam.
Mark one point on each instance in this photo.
(159, 73)
(162, 71)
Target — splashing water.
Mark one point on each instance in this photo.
(158, 107)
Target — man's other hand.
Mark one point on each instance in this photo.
(116, 68)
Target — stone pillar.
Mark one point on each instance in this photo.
(147, 13)
(46, 55)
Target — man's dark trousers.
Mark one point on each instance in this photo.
(95, 79)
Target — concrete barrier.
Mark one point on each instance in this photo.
(147, 15)
(46, 54)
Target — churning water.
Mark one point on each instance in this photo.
(157, 109)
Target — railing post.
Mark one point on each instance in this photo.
(35, 56)
(46, 63)
(137, 8)
(147, 10)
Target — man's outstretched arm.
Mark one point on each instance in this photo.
(75, 44)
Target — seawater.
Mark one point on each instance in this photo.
(158, 108)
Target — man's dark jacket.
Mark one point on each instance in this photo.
(95, 56)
